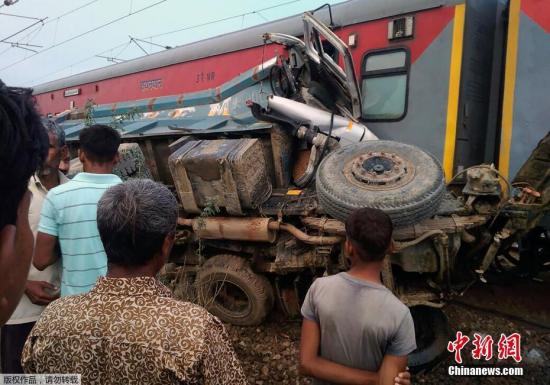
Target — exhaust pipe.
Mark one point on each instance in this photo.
(251, 229)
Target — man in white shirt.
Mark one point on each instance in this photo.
(42, 287)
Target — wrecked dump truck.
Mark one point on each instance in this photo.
(268, 166)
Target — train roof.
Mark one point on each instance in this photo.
(343, 14)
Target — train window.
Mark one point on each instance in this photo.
(384, 84)
(396, 59)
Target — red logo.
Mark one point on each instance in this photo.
(457, 345)
(482, 347)
(508, 347)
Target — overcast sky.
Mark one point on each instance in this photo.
(19, 67)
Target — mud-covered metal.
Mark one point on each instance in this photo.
(249, 149)
(230, 173)
(450, 224)
(482, 181)
(380, 170)
(282, 150)
(240, 229)
(252, 229)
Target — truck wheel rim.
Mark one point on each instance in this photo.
(379, 171)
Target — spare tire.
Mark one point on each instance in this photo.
(402, 180)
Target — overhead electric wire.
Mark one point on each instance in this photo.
(20, 16)
(24, 29)
(27, 44)
(121, 50)
(123, 45)
(59, 17)
(262, 16)
(222, 19)
(33, 33)
(109, 58)
(17, 45)
(126, 44)
(139, 45)
(151, 43)
(84, 33)
(73, 10)
(23, 46)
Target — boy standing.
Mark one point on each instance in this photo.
(69, 214)
(355, 331)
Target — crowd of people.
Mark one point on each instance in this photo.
(78, 265)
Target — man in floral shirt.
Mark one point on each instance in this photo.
(128, 329)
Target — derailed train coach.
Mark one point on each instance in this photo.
(431, 110)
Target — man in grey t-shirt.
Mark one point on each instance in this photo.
(355, 330)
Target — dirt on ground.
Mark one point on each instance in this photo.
(269, 352)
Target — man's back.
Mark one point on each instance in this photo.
(130, 331)
(69, 213)
(360, 321)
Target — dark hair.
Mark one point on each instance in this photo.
(53, 128)
(99, 142)
(133, 219)
(369, 231)
(23, 147)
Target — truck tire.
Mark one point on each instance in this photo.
(229, 289)
(400, 179)
(432, 334)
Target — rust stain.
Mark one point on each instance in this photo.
(220, 228)
(150, 104)
(151, 115)
(255, 73)
(218, 96)
(254, 227)
(113, 107)
(180, 99)
(301, 163)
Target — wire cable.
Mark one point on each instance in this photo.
(123, 45)
(158, 35)
(84, 33)
(20, 40)
(20, 16)
(72, 11)
(222, 19)
(40, 21)
(35, 31)
(59, 17)
(151, 43)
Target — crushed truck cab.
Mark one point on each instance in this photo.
(268, 165)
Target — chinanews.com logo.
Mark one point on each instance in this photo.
(508, 347)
